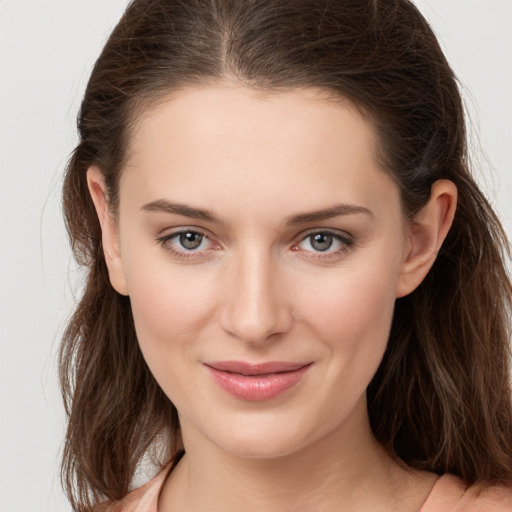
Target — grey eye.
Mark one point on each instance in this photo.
(191, 240)
(321, 241)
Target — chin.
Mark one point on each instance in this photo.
(261, 449)
(264, 438)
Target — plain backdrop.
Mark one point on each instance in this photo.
(47, 49)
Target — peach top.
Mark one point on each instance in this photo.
(449, 494)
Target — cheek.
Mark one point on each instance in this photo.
(171, 309)
(170, 303)
(352, 314)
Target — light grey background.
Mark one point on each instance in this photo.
(47, 49)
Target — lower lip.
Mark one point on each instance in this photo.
(257, 388)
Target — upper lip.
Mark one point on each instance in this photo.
(244, 368)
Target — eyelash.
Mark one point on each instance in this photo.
(184, 254)
(346, 241)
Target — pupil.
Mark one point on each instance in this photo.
(191, 240)
(321, 242)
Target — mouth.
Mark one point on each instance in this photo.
(256, 382)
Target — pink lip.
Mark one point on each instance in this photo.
(256, 382)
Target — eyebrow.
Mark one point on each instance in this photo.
(165, 206)
(328, 213)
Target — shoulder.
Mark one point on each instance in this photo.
(451, 494)
(142, 499)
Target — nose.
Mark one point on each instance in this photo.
(255, 306)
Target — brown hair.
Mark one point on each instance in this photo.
(441, 398)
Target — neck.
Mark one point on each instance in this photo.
(344, 470)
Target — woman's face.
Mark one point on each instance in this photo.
(262, 248)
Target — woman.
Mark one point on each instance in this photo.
(296, 293)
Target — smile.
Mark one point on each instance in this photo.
(257, 382)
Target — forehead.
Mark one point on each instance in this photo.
(228, 109)
(216, 143)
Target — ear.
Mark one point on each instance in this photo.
(109, 232)
(427, 232)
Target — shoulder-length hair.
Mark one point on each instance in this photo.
(440, 400)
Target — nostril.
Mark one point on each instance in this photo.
(256, 325)
(255, 307)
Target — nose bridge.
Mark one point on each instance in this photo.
(255, 306)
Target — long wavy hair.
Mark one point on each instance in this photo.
(441, 398)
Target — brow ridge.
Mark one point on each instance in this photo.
(165, 206)
(328, 213)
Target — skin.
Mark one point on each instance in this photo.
(258, 289)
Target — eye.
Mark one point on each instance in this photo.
(190, 240)
(321, 241)
(327, 242)
(186, 243)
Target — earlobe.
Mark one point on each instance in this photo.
(109, 233)
(427, 232)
